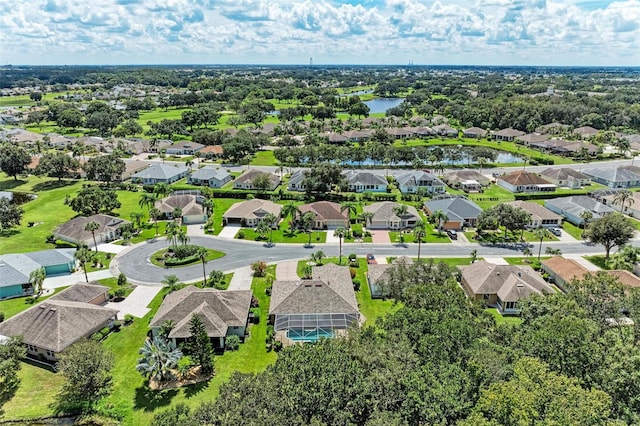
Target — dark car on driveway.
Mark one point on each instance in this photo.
(371, 259)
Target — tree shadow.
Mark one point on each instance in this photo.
(193, 390)
(9, 232)
(148, 399)
(10, 184)
(52, 184)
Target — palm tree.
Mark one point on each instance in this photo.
(366, 217)
(155, 214)
(351, 208)
(147, 200)
(271, 220)
(308, 220)
(401, 210)
(439, 218)
(182, 237)
(93, 227)
(586, 217)
(541, 234)
(170, 281)
(158, 357)
(172, 231)
(263, 228)
(419, 232)
(290, 210)
(137, 218)
(552, 251)
(208, 205)
(474, 255)
(527, 252)
(83, 255)
(317, 257)
(622, 197)
(162, 189)
(36, 278)
(340, 232)
(202, 253)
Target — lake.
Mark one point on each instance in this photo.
(382, 104)
(503, 157)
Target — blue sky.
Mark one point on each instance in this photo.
(479, 32)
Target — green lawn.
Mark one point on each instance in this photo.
(508, 319)
(264, 158)
(357, 227)
(431, 237)
(156, 258)
(11, 307)
(599, 261)
(283, 235)
(221, 206)
(37, 391)
(492, 196)
(523, 260)
(572, 230)
(101, 261)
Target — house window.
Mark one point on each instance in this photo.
(31, 348)
(485, 296)
(50, 354)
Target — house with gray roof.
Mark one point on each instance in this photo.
(322, 307)
(184, 148)
(160, 173)
(386, 217)
(209, 176)
(506, 134)
(585, 131)
(532, 138)
(474, 133)
(501, 286)
(223, 312)
(456, 178)
(295, 181)
(251, 212)
(566, 177)
(573, 208)
(246, 180)
(378, 274)
(460, 212)
(51, 326)
(365, 181)
(189, 206)
(15, 269)
(414, 181)
(73, 231)
(615, 177)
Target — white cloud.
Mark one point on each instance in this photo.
(560, 32)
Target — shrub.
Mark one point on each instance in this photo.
(356, 285)
(256, 315)
(267, 291)
(122, 279)
(184, 251)
(353, 256)
(116, 325)
(241, 235)
(357, 233)
(128, 319)
(1, 316)
(277, 346)
(232, 343)
(367, 234)
(96, 337)
(104, 331)
(353, 272)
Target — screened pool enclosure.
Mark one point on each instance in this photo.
(312, 327)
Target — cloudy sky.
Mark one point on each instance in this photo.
(482, 32)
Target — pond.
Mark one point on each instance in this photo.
(382, 104)
(17, 197)
(502, 157)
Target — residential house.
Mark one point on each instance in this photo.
(189, 206)
(72, 231)
(245, 180)
(566, 177)
(359, 135)
(212, 151)
(553, 128)
(562, 271)
(523, 181)
(16, 268)
(307, 310)
(460, 212)
(474, 133)
(334, 138)
(223, 313)
(445, 130)
(615, 177)
(608, 197)
(540, 216)
(585, 132)
(365, 181)
(422, 131)
(328, 215)
(209, 176)
(506, 134)
(184, 148)
(532, 138)
(131, 167)
(295, 181)
(456, 178)
(251, 212)
(573, 208)
(502, 286)
(626, 278)
(49, 327)
(385, 216)
(414, 181)
(160, 173)
(399, 132)
(378, 274)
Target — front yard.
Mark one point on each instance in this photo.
(283, 235)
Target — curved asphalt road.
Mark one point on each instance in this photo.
(134, 262)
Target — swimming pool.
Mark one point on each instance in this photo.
(308, 335)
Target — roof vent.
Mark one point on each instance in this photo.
(52, 309)
(498, 273)
(520, 285)
(519, 273)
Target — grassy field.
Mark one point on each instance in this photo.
(500, 319)
(572, 230)
(264, 158)
(432, 236)
(284, 235)
(11, 307)
(37, 391)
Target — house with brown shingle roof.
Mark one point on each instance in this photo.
(251, 212)
(474, 133)
(73, 231)
(566, 177)
(212, 151)
(191, 210)
(523, 181)
(501, 286)
(51, 326)
(328, 215)
(307, 310)
(223, 312)
(562, 271)
(506, 134)
(245, 180)
(540, 216)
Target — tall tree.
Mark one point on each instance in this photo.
(158, 357)
(58, 165)
(36, 278)
(161, 190)
(202, 253)
(84, 256)
(155, 214)
(439, 218)
(419, 232)
(541, 234)
(351, 208)
(13, 160)
(147, 200)
(86, 366)
(10, 214)
(340, 233)
(94, 199)
(105, 168)
(308, 219)
(271, 222)
(610, 231)
(622, 197)
(93, 227)
(290, 210)
(199, 345)
(12, 351)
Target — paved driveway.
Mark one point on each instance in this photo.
(287, 270)
(136, 303)
(241, 279)
(380, 237)
(229, 231)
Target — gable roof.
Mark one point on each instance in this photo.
(81, 292)
(329, 291)
(577, 204)
(56, 324)
(250, 175)
(383, 211)
(15, 268)
(615, 174)
(208, 173)
(251, 209)
(455, 208)
(325, 210)
(161, 171)
(187, 203)
(508, 133)
(475, 131)
(566, 269)
(355, 177)
(483, 277)
(219, 309)
(523, 177)
(537, 211)
(414, 177)
(74, 228)
(563, 173)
